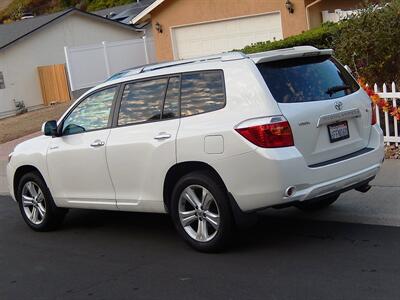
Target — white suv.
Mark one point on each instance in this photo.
(208, 141)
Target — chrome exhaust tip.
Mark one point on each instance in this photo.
(290, 191)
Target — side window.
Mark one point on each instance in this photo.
(202, 92)
(142, 101)
(92, 113)
(171, 103)
(2, 83)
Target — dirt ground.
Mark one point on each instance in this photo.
(15, 127)
(4, 4)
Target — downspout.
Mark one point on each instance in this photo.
(307, 11)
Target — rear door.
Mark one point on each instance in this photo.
(329, 114)
(141, 147)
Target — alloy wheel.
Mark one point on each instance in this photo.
(199, 213)
(33, 202)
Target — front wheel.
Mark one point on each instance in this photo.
(318, 203)
(201, 213)
(36, 204)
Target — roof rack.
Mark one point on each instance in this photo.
(226, 56)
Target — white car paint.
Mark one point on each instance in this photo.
(138, 162)
(78, 172)
(128, 173)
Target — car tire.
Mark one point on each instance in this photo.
(37, 205)
(201, 212)
(317, 203)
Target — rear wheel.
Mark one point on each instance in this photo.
(36, 204)
(317, 203)
(201, 213)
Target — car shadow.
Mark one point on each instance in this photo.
(268, 233)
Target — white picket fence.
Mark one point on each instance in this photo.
(388, 123)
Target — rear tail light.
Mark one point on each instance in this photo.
(270, 132)
(373, 112)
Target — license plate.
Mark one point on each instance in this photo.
(338, 131)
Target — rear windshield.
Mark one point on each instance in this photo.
(307, 79)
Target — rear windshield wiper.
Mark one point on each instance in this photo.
(337, 88)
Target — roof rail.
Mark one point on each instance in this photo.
(226, 56)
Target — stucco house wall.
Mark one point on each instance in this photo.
(179, 12)
(19, 61)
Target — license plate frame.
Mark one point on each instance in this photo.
(334, 131)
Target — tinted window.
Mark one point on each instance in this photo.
(307, 79)
(142, 101)
(92, 113)
(202, 92)
(171, 104)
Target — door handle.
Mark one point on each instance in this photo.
(162, 136)
(97, 143)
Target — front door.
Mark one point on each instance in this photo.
(77, 159)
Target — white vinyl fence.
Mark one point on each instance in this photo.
(90, 65)
(337, 15)
(388, 123)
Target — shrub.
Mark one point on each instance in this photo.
(367, 42)
(321, 37)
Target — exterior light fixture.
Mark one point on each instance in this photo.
(159, 28)
(289, 6)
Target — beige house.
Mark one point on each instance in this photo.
(189, 28)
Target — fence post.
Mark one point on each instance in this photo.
(396, 134)
(68, 63)
(145, 49)
(106, 61)
(378, 118)
(387, 132)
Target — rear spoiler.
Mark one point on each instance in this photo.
(304, 51)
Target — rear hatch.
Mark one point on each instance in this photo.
(330, 116)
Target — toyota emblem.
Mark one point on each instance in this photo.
(338, 105)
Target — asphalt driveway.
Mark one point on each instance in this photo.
(115, 255)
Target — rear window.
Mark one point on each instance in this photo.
(307, 79)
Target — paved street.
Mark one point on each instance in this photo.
(114, 255)
(344, 252)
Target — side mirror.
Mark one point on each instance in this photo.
(49, 128)
(348, 69)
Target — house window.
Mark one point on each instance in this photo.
(2, 84)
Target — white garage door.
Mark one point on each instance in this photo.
(219, 36)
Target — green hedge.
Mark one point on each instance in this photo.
(369, 42)
(320, 37)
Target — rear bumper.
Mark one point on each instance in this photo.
(265, 174)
